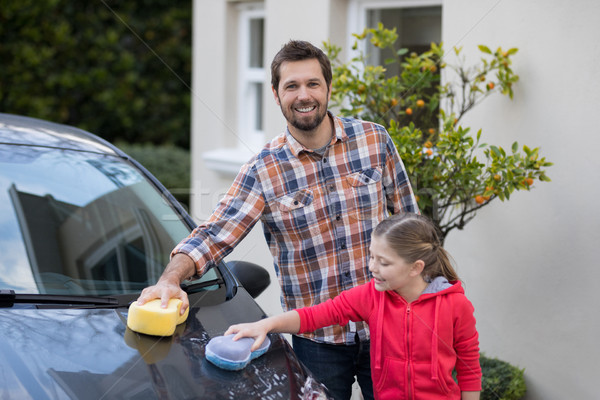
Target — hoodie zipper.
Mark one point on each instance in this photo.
(409, 354)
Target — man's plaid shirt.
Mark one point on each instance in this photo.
(318, 213)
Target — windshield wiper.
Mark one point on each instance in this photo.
(9, 298)
(190, 287)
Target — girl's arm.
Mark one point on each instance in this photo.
(288, 322)
(353, 304)
(469, 395)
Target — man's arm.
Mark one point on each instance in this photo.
(231, 220)
(168, 286)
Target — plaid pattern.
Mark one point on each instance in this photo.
(318, 213)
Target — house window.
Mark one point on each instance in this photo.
(252, 76)
(417, 23)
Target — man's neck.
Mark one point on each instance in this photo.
(316, 138)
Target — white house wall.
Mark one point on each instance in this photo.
(529, 264)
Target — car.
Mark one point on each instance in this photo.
(83, 229)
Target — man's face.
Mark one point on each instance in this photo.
(303, 94)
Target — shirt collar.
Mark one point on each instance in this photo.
(297, 148)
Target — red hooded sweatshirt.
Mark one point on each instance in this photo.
(414, 347)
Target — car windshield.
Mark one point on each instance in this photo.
(81, 223)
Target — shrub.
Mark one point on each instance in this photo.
(119, 69)
(501, 380)
(169, 164)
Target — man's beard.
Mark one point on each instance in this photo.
(304, 124)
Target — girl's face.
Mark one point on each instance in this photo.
(392, 272)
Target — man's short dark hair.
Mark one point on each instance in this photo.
(298, 50)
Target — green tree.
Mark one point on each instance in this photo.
(120, 69)
(422, 115)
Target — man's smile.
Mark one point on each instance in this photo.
(305, 109)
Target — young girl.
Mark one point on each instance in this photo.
(421, 324)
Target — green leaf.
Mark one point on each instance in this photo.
(496, 151)
(515, 147)
(485, 49)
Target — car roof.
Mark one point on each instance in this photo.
(20, 130)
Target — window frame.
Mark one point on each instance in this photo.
(357, 15)
(228, 160)
(249, 77)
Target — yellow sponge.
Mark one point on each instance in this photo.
(152, 319)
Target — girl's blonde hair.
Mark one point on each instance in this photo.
(414, 237)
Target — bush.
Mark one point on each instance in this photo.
(169, 164)
(501, 380)
(115, 68)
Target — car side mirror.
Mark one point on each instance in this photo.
(254, 278)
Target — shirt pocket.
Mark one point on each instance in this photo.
(296, 214)
(364, 194)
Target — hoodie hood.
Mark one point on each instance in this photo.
(437, 285)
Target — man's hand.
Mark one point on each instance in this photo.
(168, 287)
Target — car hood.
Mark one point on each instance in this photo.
(91, 354)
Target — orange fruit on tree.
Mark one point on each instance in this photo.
(420, 103)
(409, 111)
(529, 181)
(490, 85)
(479, 199)
(394, 102)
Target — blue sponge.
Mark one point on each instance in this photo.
(223, 352)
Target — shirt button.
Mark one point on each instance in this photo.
(343, 246)
(338, 217)
(331, 187)
(295, 202)
(325, 160)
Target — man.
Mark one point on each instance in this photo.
(319, 189)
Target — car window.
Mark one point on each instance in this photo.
(80, 223)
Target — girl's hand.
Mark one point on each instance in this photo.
(256, 330)
(288, 322)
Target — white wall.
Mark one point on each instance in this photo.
(530, 264)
